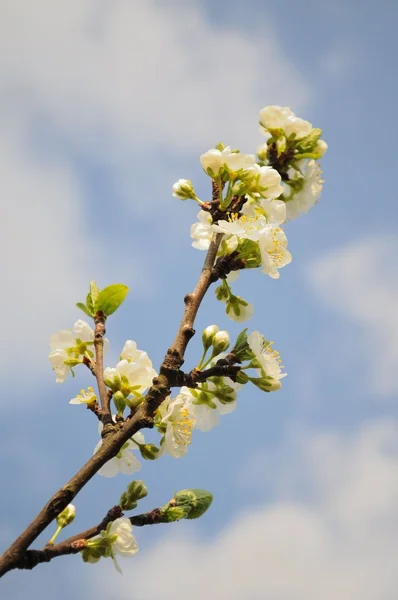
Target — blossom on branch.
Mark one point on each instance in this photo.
(125, 461)
(70, 346)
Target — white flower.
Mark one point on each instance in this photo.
(67, 345)
(205, 416)
(179, 420)
(321, 148)
(131, 377)
(125, 543)
(132, 354)
(273, 210)
(244, 227)
(214, 160)
(265, 180)
(275, 117)
(202, 232)
(273, 249)
(299, 127)
(269, 359)
(125, 461)
(239, 310)
(237, 161)
(304, 199)
(84, 397)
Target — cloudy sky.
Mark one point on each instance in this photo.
(103, 105)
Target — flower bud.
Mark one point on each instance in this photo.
(66, 516)
(119, 402)
(220, 341)
(135, 491)
(321, 148)
(149, 451)
(208, 335)
(183, 189)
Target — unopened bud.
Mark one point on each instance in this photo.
(183, 189)
(66, 516)
(120, 402)
(208, 335)
(220, 341)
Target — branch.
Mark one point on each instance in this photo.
(75, 544)
(115, 435)
(99, 332)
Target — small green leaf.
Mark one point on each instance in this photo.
(110, 298)
(84, 308)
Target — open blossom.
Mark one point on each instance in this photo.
(84, 397)
(177, 416)
(239, 310)
(268, 359)
(304, 199)
(273, 250)
(273, 210)
(207, 414)
(275, 117)
(131, 353)
(116, 539)
(70, 344)
(125, 461)
(265, 180)
(201, 232)
(243, 227)
(133, 374)
(214, 160)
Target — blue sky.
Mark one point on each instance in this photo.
(103, 105)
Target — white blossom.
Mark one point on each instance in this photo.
(299, 127)
(275, 117)
(273, 249)
(304, 199)
(125, 461)
(131, 377)
(265, 180)
(205, 416)
(243, 227)
(70, 344)
(177, 416)
(214, 160)
(125, 543)
(273, 210)
(202, 232)
(84, 397)
(131, 353)
(240, 310)
(269, 359)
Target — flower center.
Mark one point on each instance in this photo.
(182, 427)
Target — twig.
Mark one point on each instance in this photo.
(99, 332)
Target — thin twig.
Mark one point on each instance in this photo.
(99, 332)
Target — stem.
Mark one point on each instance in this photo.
(56, 534)
(115, 435)
(99, 333)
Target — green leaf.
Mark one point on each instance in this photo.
(110, 298)
(84, 308)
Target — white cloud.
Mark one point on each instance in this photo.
(120, 74)
(109, 81)
(360, 282)
(342, 543)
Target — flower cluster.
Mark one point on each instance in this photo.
(130, 378)
(293, 145)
